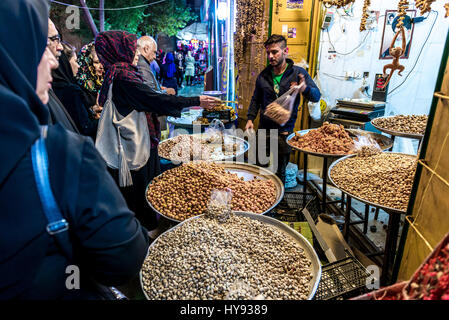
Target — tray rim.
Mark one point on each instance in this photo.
(385, 208)
(305, 244)
(396, 133)
(227, 163)
(330, 155)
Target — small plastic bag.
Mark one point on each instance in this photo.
(281, 109)
(365, 145)
(220, 205)
(214, 132)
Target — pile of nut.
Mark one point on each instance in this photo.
(383, 178)
(240, 259)
(184, 191)
(329, 138)
(184, 148)
(404, 124)
(277, 113)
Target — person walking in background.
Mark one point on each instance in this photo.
(70, 94)
(90, 78)
(168, 72)
(179, 61)
(190, 68)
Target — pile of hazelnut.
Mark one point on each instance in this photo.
(184, 191)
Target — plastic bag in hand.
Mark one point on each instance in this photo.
(281, 109)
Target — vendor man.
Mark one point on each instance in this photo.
(273, 82)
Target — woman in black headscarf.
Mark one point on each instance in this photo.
(107, 243)
(71, 95)
(117, 52)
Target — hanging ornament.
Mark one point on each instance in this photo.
(365, 15)
(396, 53)
(402, 12)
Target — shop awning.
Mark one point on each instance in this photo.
(196, 30)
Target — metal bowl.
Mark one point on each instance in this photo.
(384, 142)
(240, 141)
(297, 237)
(396, 133)
(388, 209)
(248, 172)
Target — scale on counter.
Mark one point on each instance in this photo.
(357, 113)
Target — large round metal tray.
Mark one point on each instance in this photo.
(388, 209)
(384, 142)
(297, 237)
(396, 133)
(248, 172)
(241, 141)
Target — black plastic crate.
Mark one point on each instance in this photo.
(342, 279)
(289, 209)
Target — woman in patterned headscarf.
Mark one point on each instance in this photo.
(90, 77)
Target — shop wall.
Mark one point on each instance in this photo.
(429, 205)
(412, 97)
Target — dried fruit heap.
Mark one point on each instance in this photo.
(184, 192)
(432, 281)
(329, 138)
(240, 259)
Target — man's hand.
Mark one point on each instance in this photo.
(208, 102)
(249, 125)
(170, 91)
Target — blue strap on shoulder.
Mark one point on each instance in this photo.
(56, 223)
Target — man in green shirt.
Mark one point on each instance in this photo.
(273, 82)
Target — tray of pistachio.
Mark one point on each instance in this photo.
(406, 126)
(245, 256)
(380, 179)
(202, 146)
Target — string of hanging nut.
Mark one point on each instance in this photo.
(338, 3)
(365, 15)
(402, 12)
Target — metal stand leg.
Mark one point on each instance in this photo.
(365, 221)
(304, 189)
(390, 247)
(392, 143)
(342, 201)
(376, 215)
(347, 218)
(324, 184)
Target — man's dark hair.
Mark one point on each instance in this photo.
(276, 38)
